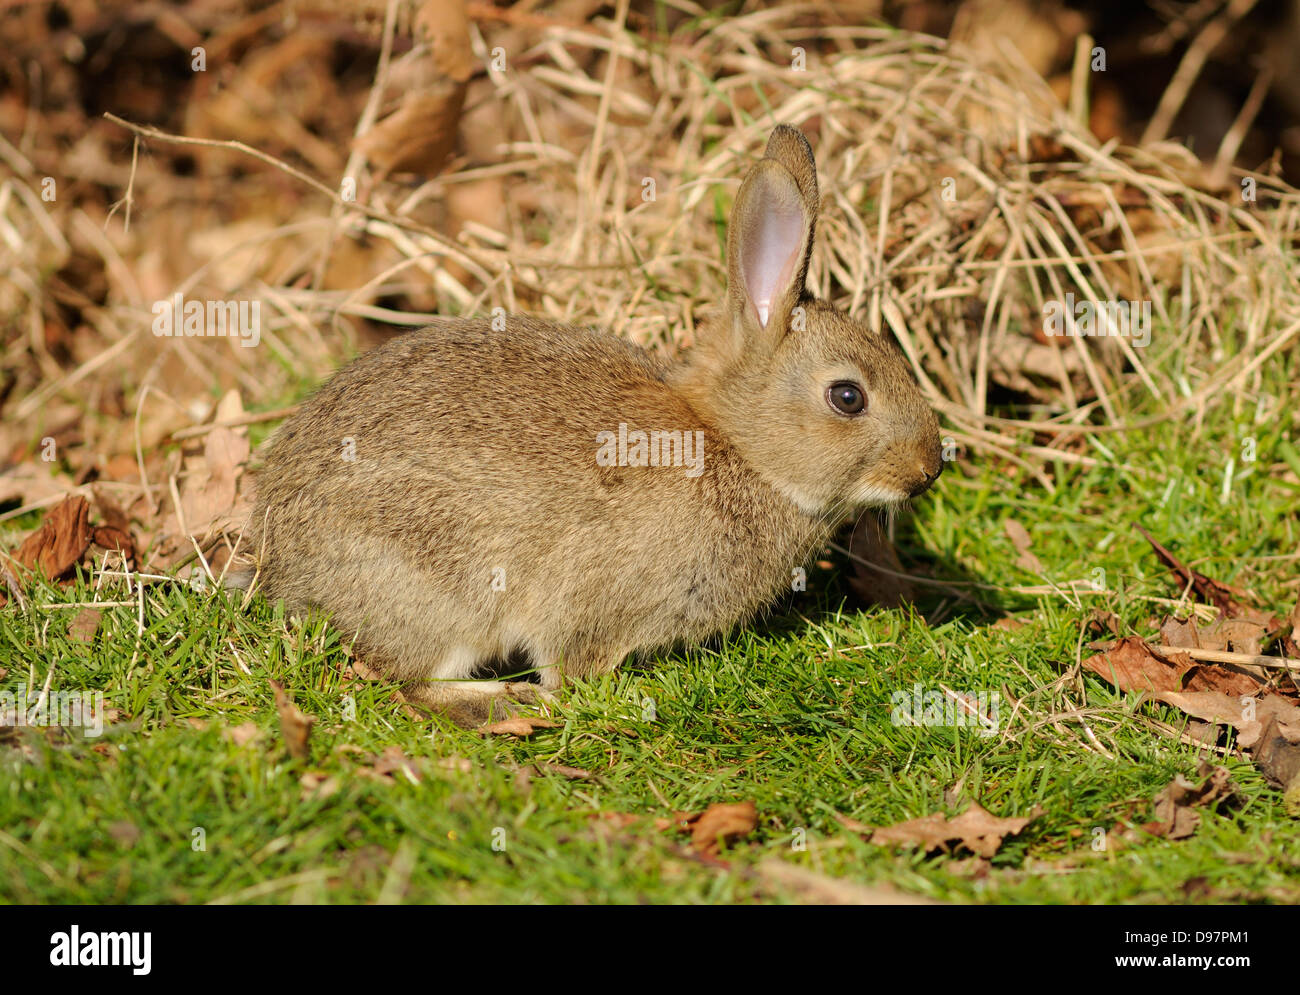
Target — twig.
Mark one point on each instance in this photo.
(1241, 659)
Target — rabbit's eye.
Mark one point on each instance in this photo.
(846, 397)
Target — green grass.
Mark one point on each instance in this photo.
(792, 713)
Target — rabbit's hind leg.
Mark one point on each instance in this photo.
(470, 703)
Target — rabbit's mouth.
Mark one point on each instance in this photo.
(873, 495)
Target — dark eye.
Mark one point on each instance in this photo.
(846, 397)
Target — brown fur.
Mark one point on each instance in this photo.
(476, 452)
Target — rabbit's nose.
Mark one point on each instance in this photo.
(927, 474)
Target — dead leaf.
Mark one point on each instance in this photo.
(1019, 537)
(394, 761)
(109, 538)
(1175, 805)
(1008, 624)
(295, 725)
(1131, 665)
(84, 626)
(519, 725)
(1278, 758)
(60, 542)
(209, 494)
(572, 773)
(1209, 591)
(1246, 714)
(30, 482)
(977, 829)
(242, 734)
(125, 833)
(1103, 622)
(316, 785)
(720, 824)
(819, 889)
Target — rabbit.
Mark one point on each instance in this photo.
(466, 495)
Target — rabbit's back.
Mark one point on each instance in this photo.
(468, 486)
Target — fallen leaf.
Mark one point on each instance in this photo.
(1176, 803)
(1277, 756)
(1209, 591)
(295, 725)
(720, 824)
(60, 542)
(1103, 622)
(242, 734)
(1244, 713)
(111, 538)
(819, 889)
(1131, 665)
(572, 773)
(84, 626)
(977, 829)
(318, 785)
(1019, 537)
(519, 725)
(211, 487)
(394, 761)
(853, 825)
(1008, 624)
(125, 833)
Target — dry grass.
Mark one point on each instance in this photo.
(588, 113)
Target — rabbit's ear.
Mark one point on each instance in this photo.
(771, 235)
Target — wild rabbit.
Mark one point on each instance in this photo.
(463, 496)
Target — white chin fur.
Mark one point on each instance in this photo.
(874, 496)
(867, 496)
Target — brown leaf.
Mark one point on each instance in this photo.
(819, 889)
(295, 725)
(519, 725)
(1019, 537)
(394, 761)
(211, 487)
(419, 135)
(84, 626)
(242, 734)
(870, 545)
(1131, 665)
(1008, 624)
(720, 824)
(60, 542)
(317, 785)
(572, 773)
(852, 825)
(125, 833)
(1209, 591)
(1214, 706)
(976, 829)
(1103, 622)
(445, 25)
(1182, 634)
(108, 537)
(1175, 804)
(1278, 758)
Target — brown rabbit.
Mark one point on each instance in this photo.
(469, 494)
